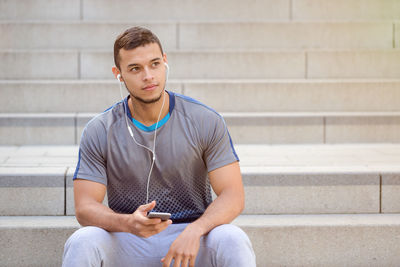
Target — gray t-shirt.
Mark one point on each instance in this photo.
(192, 142)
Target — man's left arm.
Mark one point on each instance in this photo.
(227, 183)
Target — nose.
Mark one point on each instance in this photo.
(148, 75)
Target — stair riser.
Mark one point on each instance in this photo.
(267, 96)
(204, 11)
(56, 97)
(274, 246)
(67, 130)
(87, 35)
(130, 11)
(34, 247)
(210, 65)
(326, 246)
(300, 193)
(345, 10)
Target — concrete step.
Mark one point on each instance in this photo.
(127, 10)
(280, 35)
(286, 95)
(77, 34)
(326, 240)
(345, 10)
(200, 35)
(245, 128)
(307, 179)
(196, 64)
(192, 10)
(40, 10)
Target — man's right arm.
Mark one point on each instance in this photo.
(90, 211)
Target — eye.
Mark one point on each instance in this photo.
(135, 69)
(155, 64)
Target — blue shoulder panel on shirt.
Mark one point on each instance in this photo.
(78, 165)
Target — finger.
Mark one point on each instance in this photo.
(164, 224)
(159, 224)
(167, 261)
(147, 207)
(192, 261)
(185, 262)
(152, 221)
(177, 261)
(150, 230)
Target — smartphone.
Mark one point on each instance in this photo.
(162, 215)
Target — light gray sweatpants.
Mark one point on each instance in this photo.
(226, 245)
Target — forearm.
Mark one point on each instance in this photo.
(97, 214)
(224, 209)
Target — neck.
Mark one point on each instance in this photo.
(148, 114)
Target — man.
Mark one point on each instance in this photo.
(161, 146)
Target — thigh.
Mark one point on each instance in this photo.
(226, 245)
(120, 248)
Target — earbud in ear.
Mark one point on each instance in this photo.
(119, 77)
(166, 71)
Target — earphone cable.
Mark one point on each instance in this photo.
(133, 137)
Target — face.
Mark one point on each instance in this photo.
(143, 72)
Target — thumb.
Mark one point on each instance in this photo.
(148, 206)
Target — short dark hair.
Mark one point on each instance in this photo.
(132, 38)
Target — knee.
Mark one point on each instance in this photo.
(230, 236)
(88, 237)
(85, 247)
(232, 246)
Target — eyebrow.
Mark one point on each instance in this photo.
(135, 64)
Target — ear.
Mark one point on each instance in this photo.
(165, 58)
(116, 71)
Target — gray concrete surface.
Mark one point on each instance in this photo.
(391, 193)
(366, 64)
(313, 10)
(288, 95)
(324, 240)
(362, 129)
(329, 64)
(354, 10)
(210, 64)
(312, 240)
(301, 35)
(278, 179)
(28, 64)
(51, 129)
(59, 96)
(311, 193)
(40, 10)
(198, 35)
(75, 34)
(248, 95)
(187, 10)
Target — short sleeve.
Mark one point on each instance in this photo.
(218, 149)
(92, 162)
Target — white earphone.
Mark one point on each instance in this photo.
(152, 151)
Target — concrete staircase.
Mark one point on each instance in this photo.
(310, 91)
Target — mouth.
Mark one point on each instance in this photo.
(150, 87)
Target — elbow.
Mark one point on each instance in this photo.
(238, 201)
(79, 215)
(241, 205)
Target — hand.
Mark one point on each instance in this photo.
(138, 223)
(184, 249)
